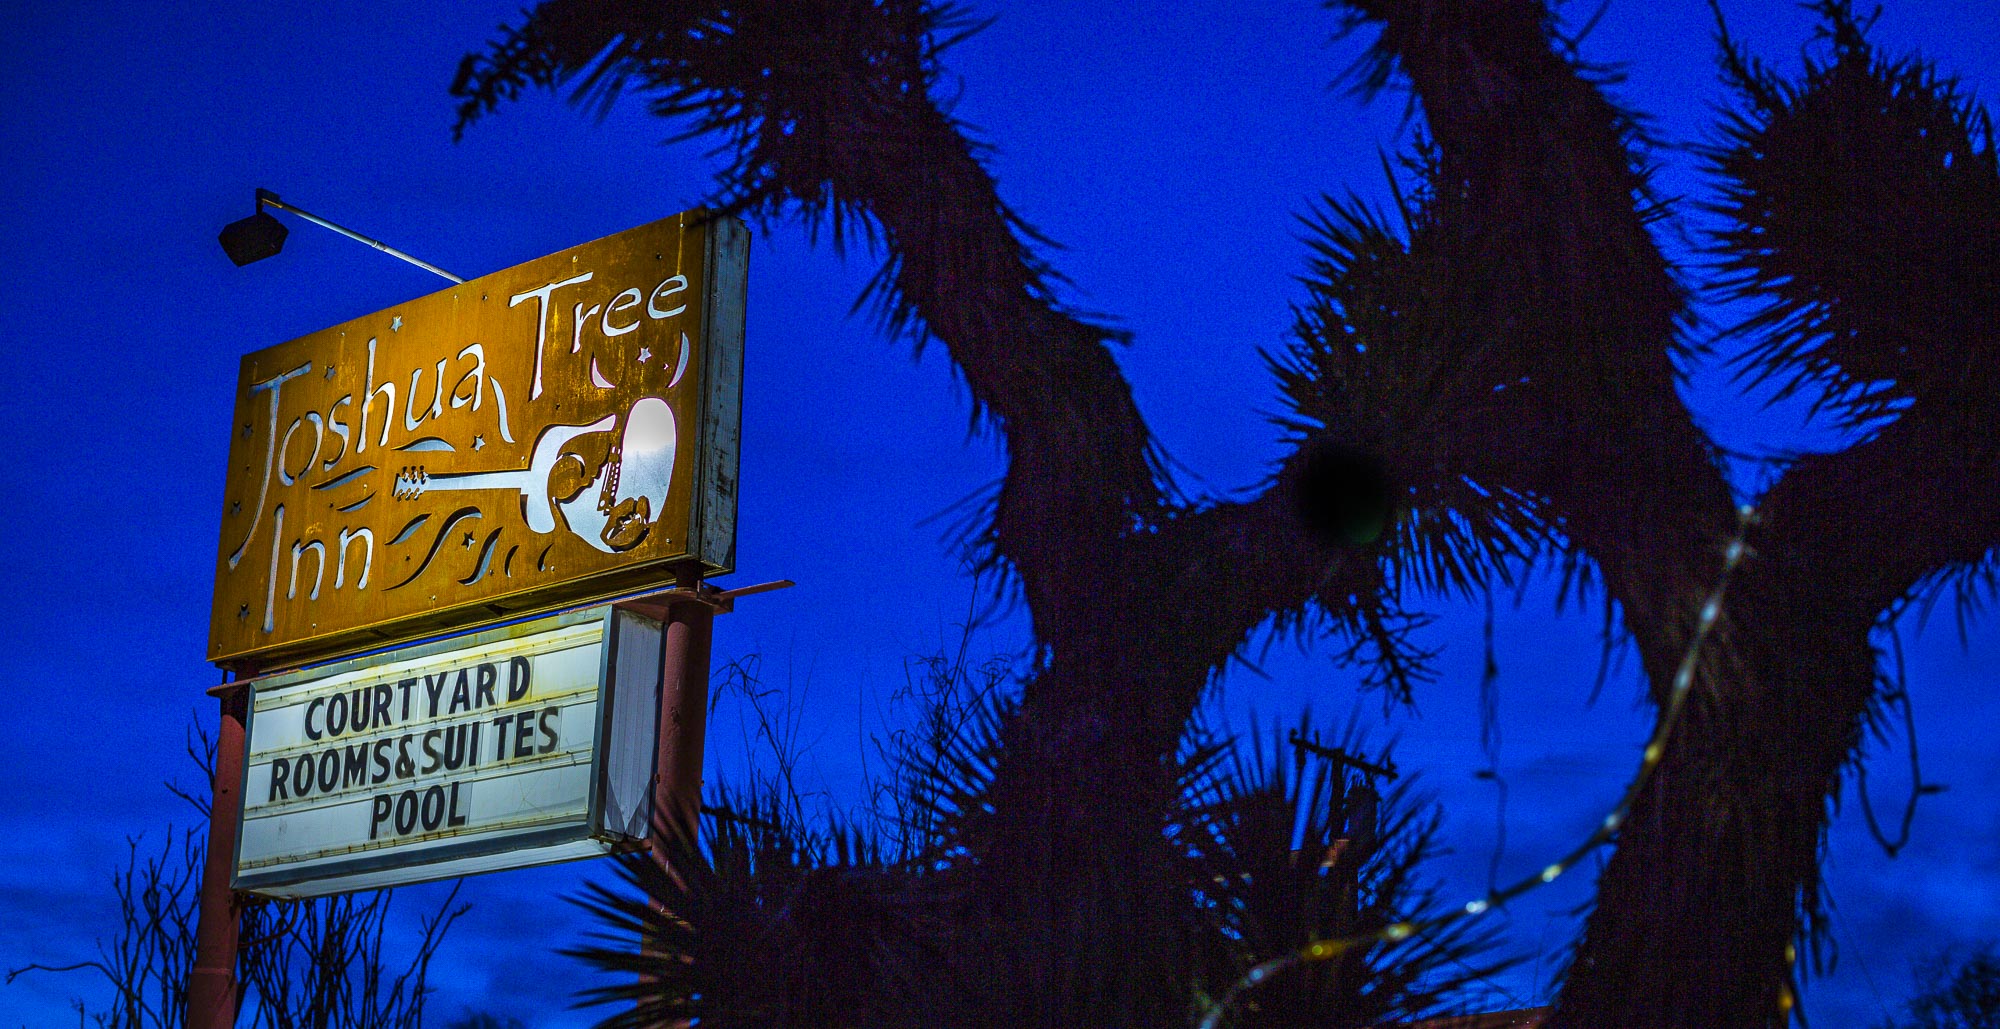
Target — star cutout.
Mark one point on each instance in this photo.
(645, 354)
(468, 541)
(479, 443)
(396, 324)
(242, 610)
(236, 508)
(329, 371)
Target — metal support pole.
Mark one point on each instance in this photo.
(690, 610)
(211, 988)
(683, 713)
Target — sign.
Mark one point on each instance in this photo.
(512, 747)
(560, 432)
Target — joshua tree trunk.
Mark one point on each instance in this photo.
(1699, 909)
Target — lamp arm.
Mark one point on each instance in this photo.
(265, 196)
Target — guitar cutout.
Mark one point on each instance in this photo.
(631, 484)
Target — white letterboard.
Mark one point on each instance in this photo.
(516, 746)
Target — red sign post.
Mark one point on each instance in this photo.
(211, 991)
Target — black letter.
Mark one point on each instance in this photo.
(523, 728)
(518, 673)
(457, 817)
(356, 772)
(329, 770)
(433, 817)
(434, 685)
(311, 706)
(549, 716)
(379, 815)
(361, 709)
(302, 775)
(461, 694)
(455, 739)
(500, 737)
(336, 715)
(280, 767)
(431, 756)
(482, 689)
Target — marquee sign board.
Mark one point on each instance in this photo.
(559, 432)
(512, 747)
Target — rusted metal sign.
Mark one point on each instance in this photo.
(556, 433)
(510, 747)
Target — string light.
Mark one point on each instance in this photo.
(1320, 950)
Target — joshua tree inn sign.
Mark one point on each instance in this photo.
(550, 435)
(446, 530)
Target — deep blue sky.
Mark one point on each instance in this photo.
(1168, 146)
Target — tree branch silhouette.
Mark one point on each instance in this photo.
(1488, 378)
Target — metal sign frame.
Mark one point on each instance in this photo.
(627, 707)
(596, 471)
